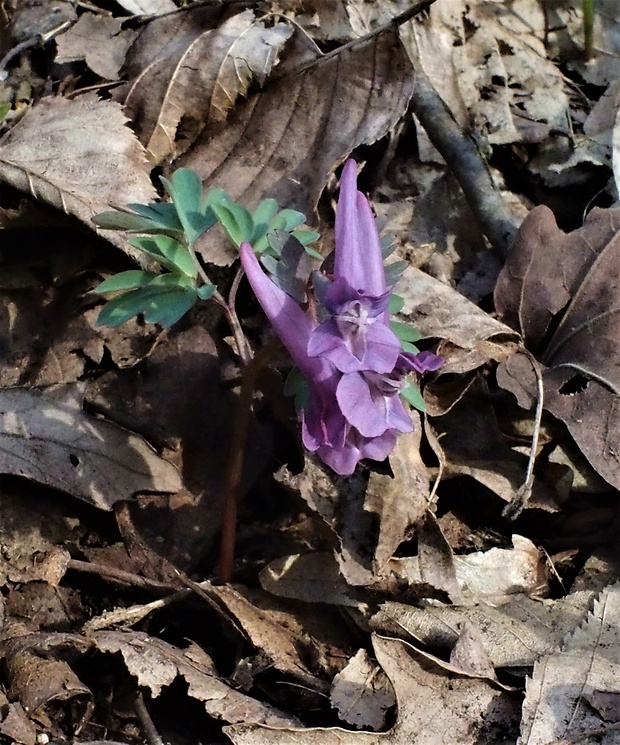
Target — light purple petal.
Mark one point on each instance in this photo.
(382, 348)
(289, 321)
(358, 257)
(378, 448)
(421, 362)
(359, 408)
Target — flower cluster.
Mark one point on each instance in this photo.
(353, 362)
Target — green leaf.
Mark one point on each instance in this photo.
(262, 217)
(177, 254)
(287, 220)
(169, 305)
(163, 301)
(163, 215)
(405, 332)
(396, 304)
(409, 347)
(117, 220)
(235, 220)
(393, 272)
(412, 395)
(206, 291)
(306, 236)
(185, 188)
(128, 280)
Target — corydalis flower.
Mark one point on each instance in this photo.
(353, 363)
(358, 336)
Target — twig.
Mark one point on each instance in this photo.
(466, 163)
(34, 41)
(148, 726)
(518, 503)
(120, 576)
(407, 15)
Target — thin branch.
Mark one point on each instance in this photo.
(465, 161)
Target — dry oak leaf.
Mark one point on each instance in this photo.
(435, 707)
(46, 436)
(562, 292)
(78, 156)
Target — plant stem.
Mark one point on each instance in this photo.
(234, 470)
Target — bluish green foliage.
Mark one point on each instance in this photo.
(167, 232)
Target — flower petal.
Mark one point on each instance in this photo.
(289, 321)
(359, 408)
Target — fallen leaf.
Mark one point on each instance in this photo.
(470, 710)
(571, 690)
(99, 41)
(47, 437)
(148, 7)
(216, 68)
(286, 139)
(362, 694)
(549, 272)
(401, 500)
(59, 151)
(156, 664)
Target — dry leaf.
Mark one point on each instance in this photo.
(469, 711)
(156, 664)
(215, 69)
(571, 690)
(78, 156)
(47, 437)
(362, 694)
(549, 272)
(99, 41)
(285, 140)
(147, 7)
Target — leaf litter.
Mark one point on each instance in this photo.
(367, 608)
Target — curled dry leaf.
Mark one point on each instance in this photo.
(78, 156)
(47, 437)
(549, 272)
(575, 692)
(99, 41)
(156, 664)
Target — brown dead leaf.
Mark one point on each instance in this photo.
(148, 7)
(362, 694)
(285, 140)
(99, 41)
(548, 272)
(399, 501)
(156, 664)
(471, 336)
(47, 437)
(78, 156)
(575, 691)
(215, 69)
(470, 710)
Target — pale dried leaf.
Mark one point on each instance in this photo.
(439, 311)
(78, 156)
(215, 69)
(362, 694)
(493, 577)
(156, 664)
(147, 7)
(401, 500)
(47, 437)
(97, 40)
(570, 691)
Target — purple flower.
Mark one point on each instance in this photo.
(358, 335)
(353, 362)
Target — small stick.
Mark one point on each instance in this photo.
(148, 726)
